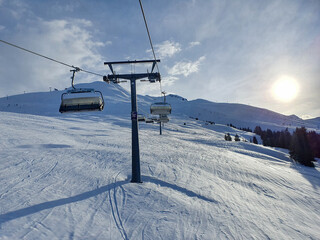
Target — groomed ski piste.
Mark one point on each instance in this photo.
(68, 177)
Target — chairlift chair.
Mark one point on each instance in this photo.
(149, 120)
(160, 108)
(163, 118)
(141, 118)
(81, 99)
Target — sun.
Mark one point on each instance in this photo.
(285, 89)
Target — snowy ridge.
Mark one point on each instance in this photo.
(118, 102)
(67, 176)
(240, 115)
(315, 121)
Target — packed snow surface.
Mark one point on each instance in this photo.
(68, 177)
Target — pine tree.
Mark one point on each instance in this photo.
(300, 149)
(255, 141)
(314, 141)
(258, 130)
(287, 139)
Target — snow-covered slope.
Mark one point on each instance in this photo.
(68, 177)
(315, 121)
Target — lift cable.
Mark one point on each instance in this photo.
(154, 55)
(51, 59)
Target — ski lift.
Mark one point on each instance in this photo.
(81, 99)
(160, 108)
(163, 118)
(141, 118)
(149, 120)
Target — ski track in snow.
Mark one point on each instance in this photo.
(69, 178)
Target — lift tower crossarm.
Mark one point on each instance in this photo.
(152, 77)
(135, 61)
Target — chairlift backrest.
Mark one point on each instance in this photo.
(160, 108)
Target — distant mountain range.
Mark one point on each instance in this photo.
(117, 101)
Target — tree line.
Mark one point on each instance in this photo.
(303, 146)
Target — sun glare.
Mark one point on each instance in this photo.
(285, 89)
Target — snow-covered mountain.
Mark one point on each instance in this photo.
(239, 115)
(67, 176)
(315, 121)
(118, 101)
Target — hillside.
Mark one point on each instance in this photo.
(240, 115)
(68, 176)
(117, 101)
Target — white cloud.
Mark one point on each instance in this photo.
(107, 43)
(193, 44)
(166, 49)
(19, 9)
(186, 68)
(168, 80)
(69, 41)
(307, 116)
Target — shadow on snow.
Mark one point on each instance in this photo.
(56, 203)
(83, 196)
(177, 188)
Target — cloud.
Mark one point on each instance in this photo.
(166, 49)
(69, 41)
(107, 43)
(193, 44)
(186, 68)
(307, 116)
(17, 9)
(168, 80)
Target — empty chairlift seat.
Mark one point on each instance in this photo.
(79, 100)
(160, 108)
(163, 118)
(149, 120)
(141, 118)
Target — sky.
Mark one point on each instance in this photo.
(261, 53)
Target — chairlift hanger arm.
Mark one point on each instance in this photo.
(153, 65)
(111, 68)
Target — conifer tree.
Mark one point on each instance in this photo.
(300, 149)
(258, 130)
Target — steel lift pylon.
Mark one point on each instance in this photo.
(133, 77)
